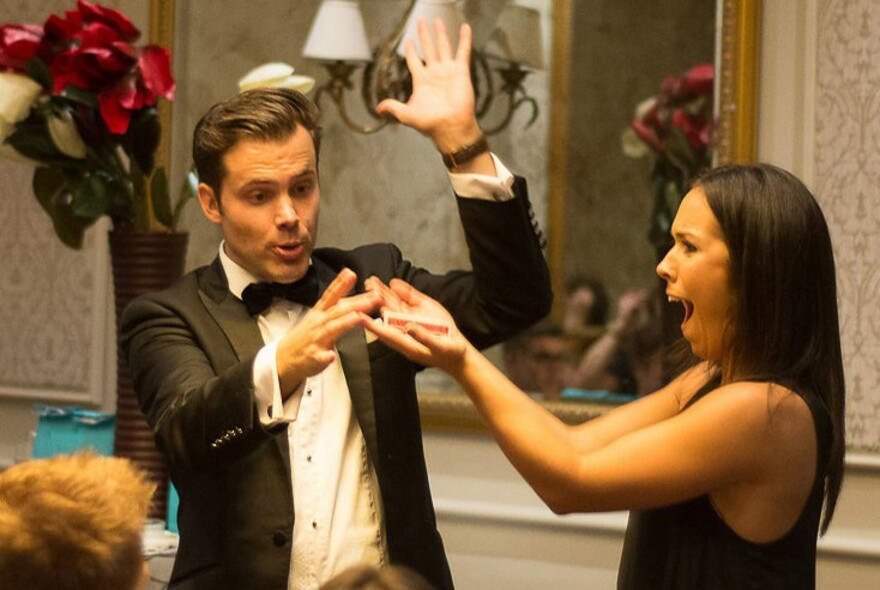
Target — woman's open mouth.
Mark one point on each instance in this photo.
(688, 308)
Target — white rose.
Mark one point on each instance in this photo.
(275, 75)
(65, 136)
(643, 107)
(17, 95)
(633, 147)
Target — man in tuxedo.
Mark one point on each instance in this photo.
(294, 441)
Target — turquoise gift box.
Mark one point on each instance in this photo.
(69, 429)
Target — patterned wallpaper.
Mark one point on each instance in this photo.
(52, 300)
(847, 182)
(48, 306)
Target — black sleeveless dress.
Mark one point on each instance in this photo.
(688, 546)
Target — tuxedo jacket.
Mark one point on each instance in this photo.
(191, 350)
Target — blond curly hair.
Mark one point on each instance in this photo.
(72, 522)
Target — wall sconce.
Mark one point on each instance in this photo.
(338, 40)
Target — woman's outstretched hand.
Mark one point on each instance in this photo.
(446, 351)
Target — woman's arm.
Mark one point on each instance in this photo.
(643, 454)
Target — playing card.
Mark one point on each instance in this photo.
(400, 320)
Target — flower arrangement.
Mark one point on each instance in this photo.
(78, 99)
(675, 130)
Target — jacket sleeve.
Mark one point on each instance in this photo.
(508, 288)
(201, 408)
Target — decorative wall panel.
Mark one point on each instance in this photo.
(847, 182)
(52, 315)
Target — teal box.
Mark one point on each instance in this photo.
(173, 503)
(68, 429)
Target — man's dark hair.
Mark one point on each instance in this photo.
(262, 114)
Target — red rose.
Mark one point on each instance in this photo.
(670, 88)
(135, 91)
(694, 128)
(699, 80)
(94, 13)
(18, 45)
(650, 136)
(61, 31)
(155, 65)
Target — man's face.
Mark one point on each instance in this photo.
(550, 363)
(268, 206)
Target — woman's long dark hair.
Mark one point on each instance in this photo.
(786, 325)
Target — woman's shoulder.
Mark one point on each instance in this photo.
(780, 409)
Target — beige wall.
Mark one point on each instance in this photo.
(818, 117)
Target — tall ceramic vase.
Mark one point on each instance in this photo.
(141, 262)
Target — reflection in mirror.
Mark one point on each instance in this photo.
(608, 57)
(623, 57)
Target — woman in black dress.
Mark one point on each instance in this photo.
(727, 469)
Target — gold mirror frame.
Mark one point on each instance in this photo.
(738, 94)
(738, 65)
(162, 33)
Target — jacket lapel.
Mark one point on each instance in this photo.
(355, 359)
(244, 336)
(230, 314)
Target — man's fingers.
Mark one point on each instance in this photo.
(444, 50)
(411, 55)
(362, 302)
(336, 290)
(465, 40)
(334, 329)
(392, 107)
(429, 52)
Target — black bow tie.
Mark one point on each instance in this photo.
(258, 296)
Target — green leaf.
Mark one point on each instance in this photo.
(49, 184)
(38, 70)
(142, 139)
(90, 198)
(680, 152)
(189, 189)
(90, 99)
(51, 189)
(31, 139)
(160, 197)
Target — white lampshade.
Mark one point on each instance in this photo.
(517, 37)
(338, 33)
(449, 11)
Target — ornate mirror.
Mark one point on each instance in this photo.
(578, 103)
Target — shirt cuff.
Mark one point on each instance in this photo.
(267, 390)
(483, 186)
